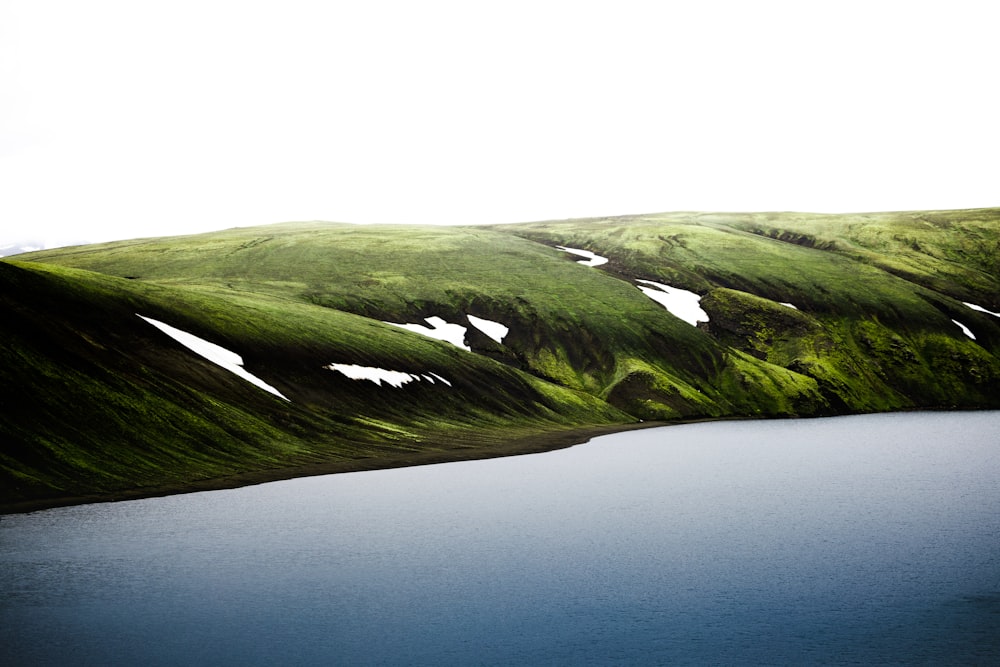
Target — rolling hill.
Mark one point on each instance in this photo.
(340, 328)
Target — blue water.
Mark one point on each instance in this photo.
(853, 540)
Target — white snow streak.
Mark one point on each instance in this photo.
(965, 330)
(681, 303)
(439, 329)
(981, 309)
(592, 259)
(217, 354)
(494, 330)
(379, 375)
(441, 379)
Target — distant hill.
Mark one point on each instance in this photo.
(8, 249)
(799, 315)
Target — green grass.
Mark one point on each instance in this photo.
(95, 400)
(844, 275)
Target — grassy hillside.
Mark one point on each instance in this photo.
(874, 335)
(96, 401)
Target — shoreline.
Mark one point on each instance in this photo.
(536, 444)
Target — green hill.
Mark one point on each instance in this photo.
(806, 315)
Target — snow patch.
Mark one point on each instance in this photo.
(592, 259)
(980, 309)
(787, 305)
(494, 330)
(441, 379)
(439, 329)
(379, 375)
(965, 330)
(217, 354)
(681, 303)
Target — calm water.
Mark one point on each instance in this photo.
(872, 539)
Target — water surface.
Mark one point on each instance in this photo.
(870, 539)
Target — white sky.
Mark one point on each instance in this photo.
(121, 118)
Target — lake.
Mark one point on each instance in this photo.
(868, 539)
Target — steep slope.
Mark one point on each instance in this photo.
(872, 335)
(803, 315)
(581, 328)
(96, 400)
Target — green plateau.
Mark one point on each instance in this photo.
(806, 315)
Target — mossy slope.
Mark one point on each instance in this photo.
(872, 335)
(96, 400)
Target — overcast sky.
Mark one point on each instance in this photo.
(123, 118)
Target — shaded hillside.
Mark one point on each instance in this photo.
(95, 400)
(806, 315)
